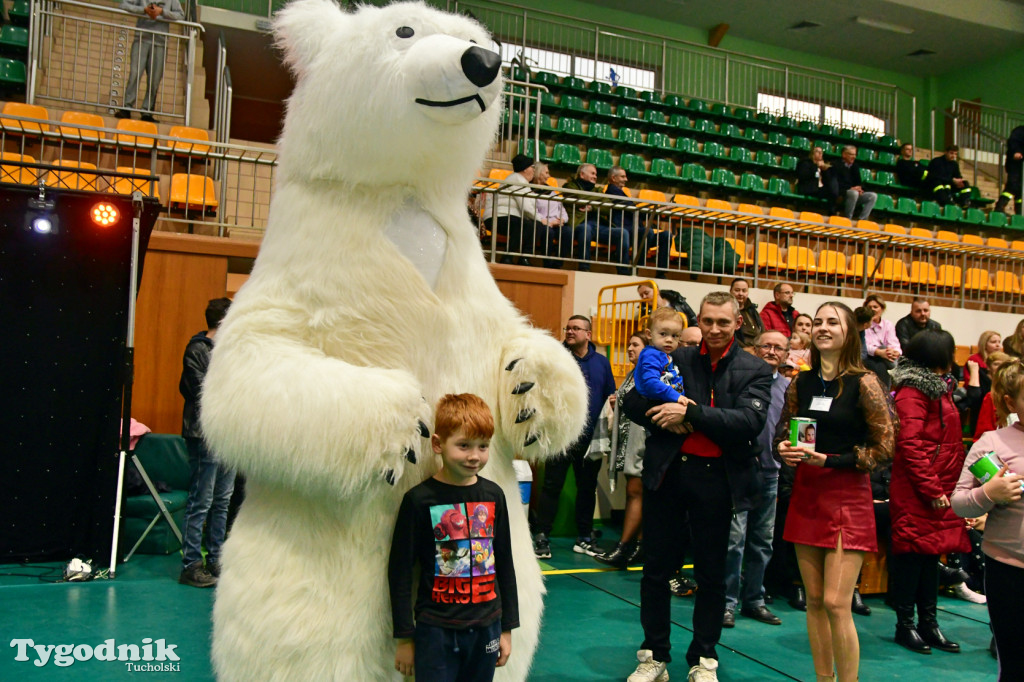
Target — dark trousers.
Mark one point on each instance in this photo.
(1004, 587)
(445, 655)
(914, 580)
(1011, 190)
(695, 488)
(783, 572)
(555, 471)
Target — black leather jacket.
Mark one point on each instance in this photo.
(193, 371)
(742, 390)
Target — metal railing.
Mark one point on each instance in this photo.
(520, 121)
(981, 131)
(805, 249)
(176, 171)
(578, 48)
(79, 59)
(222, 107)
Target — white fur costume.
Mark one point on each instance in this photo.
(369, 300)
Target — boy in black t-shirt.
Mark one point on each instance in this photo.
(455, 526)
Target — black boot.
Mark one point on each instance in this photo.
(929, 630)
(906, 635)
(637, 554)
(858, 606)
(618, 557)
(799, 600)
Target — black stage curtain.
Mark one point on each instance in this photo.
(64, 317)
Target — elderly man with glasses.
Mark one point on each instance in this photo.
(752, 531)
(597, 372)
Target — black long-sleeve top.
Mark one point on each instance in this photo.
(460, 538)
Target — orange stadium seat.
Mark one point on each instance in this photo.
(976, 279)
(17, 174)
(740, 247)
(1017, 245)
(998, 243)
(753, 209)
(1006, 282)
(769, 257)
(70, 120)
(71, 179)
(499, 173)
(867, 225)
(832, 262)
(892, 270)
(855, 268)
(894, 229)
(25, 111)
(923, 272)
(948, 236)
(810, 217)
(686, 200)
(781, 213)
(950, 276)
(131, 126)
(972, 239)
(920, 232)
(800, 259)
(129, 185)
(188, 139)
(192, 193)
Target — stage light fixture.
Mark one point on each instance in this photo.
(40, 214)
(105, 214)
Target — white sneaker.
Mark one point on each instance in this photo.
(961, 591)
(704, 672)
(649, 669)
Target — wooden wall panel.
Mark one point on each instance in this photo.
(545, 296)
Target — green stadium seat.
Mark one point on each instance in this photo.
(977, 199)
(20, 13)
(865, 176)
(788, 162)
(826, 146)
(867, 138)
(865, 154)
(519, 75)
(753, 182)
(730, 130)
(808, 127)
(570, 127)
(973, 216)
(1016, 222)
(785, 122)
(698, 105)
(754, 135)
(573, 104)
(548, 101)
(930, 210)
(888, 141)
(545, 122)
(887, 178)
(631, 137)
(634, 165)
(627, 93)
(827, 130)
(679, 122)
(724, 178)
(694, 173)
(628, 112)
(548, 80)
(952, 212)
(720, 110)
(848, 134)
(573, 83)
(601, 131)
(781, 187)
(702, 125)
(905, 206)
(12, 75)
(600, 89)
(765, 158)
(886, 159)
(715, 150)
(688, 145)
(743, 114)
(601, 109)
(674, 102)
(526, 147)
(765, 118)
(739, 154)
(800, 143)
(649, 98)
(664, 169)
(654, 118)
(659, 141)
(601, 158)
(883, 204)
(566, 155)
(778, 139)
(14, 41)
(996, 219)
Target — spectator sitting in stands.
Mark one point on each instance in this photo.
(780, 313)
(598, 225)
(919, 319)
(148, 49)
(909, 171)
(945, 180)
(851, 196)
(513, 214)
(552, 214)
(813, 178)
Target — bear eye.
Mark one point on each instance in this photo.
(404, 32)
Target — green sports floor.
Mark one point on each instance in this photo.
(591, 628)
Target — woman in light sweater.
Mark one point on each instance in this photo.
(1000, 498)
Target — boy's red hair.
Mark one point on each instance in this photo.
(463, 411)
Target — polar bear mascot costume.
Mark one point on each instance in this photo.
(369, 300)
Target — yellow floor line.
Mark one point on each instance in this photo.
(571, 571)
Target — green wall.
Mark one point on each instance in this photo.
(996, 82)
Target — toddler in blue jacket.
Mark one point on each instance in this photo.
(656, 375)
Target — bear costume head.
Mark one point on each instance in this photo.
(409, 67)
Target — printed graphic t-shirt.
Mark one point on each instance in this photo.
(459, 537)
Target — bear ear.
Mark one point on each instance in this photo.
(302, 28)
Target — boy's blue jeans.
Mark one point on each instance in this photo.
(445, 655)
(209, 492)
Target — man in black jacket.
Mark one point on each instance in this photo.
(813, 178)
(946, 181)
(1014, 164)
(852, 197)
(909, 171)
(919, 319)
(700, 465)
(210, 485)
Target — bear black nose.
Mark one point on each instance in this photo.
(480, 66)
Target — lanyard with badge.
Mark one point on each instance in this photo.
(822, 403)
